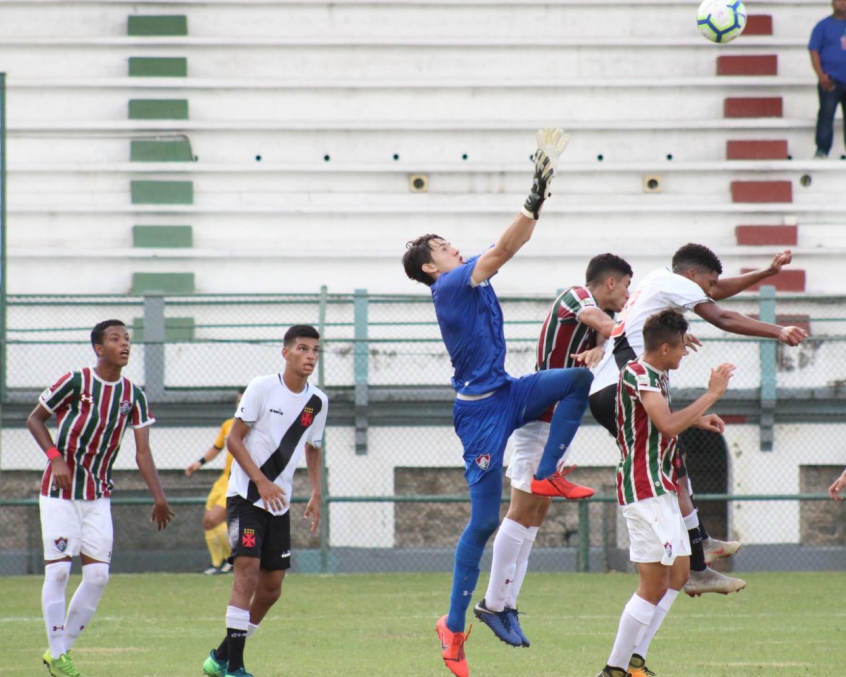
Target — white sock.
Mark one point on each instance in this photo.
(633, 625)
(85, 600)
(691, 521)
(509, 539)
(251, 629)
(660, 613)
(237, 619)
(53, 605)
(522, 565)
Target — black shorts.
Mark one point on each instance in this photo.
(254, 532)
(603, 407)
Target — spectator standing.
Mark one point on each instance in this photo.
(828, 56)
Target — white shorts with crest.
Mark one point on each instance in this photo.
(72, 527)
(656, 530)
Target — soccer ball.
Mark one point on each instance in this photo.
(721, 20)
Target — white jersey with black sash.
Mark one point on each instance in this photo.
(281, 424)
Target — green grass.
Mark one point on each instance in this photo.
(163, 625)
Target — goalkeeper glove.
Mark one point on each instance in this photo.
(551, 143)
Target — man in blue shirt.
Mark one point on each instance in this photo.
(489, 403)
(828, 56)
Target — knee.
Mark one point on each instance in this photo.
(483, 527)
(269, 595)
(96, 574)
(582, 379)
(58, 572)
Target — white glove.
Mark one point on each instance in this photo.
(551, 143)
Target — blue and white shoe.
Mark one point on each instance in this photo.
(499, 622)
(514, 620)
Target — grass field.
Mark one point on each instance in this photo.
(163, 625)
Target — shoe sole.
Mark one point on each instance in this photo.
(719, 592)
(556, 494)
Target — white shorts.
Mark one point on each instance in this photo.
(656, 530)
(529, 442)
(70, 528)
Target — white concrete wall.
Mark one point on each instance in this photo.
(430, 83)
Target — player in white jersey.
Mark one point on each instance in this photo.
(693, 283)
(280, 418)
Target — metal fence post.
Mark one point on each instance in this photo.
(154, 346)
(324, 480)
(360, 305)
(767, 351)
(584, 537)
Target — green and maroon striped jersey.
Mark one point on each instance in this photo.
(92, 416)
(562, 333)
(647, 466)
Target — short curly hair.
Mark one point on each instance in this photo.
(696, 256)
(668, 326)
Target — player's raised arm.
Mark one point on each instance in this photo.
(551, 143)
(730, 286)
(671, 423)
(738, 323)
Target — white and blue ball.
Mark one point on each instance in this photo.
(721, 21)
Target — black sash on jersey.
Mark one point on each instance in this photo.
(279, 459)
(623, 352)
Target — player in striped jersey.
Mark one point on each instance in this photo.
(693, 283)
(579, 317)
(93, 407)
(647, 483)
(214, 518)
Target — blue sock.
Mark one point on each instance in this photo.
(484, 520)
(565, 422)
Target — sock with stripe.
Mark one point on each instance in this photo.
(237, 624)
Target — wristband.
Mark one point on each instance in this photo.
(52, 453)
(202, 460)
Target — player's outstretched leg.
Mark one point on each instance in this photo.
(569, 389)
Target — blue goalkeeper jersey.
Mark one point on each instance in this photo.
(471, 325)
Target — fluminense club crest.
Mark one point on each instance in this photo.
(483, 461)
(125, 407)
(61, 543)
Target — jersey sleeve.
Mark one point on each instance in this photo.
(60, 394)
(251, 403)
(684, 293)
(816, 41)
(576, 300)
(140, 416)
(315, 432)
